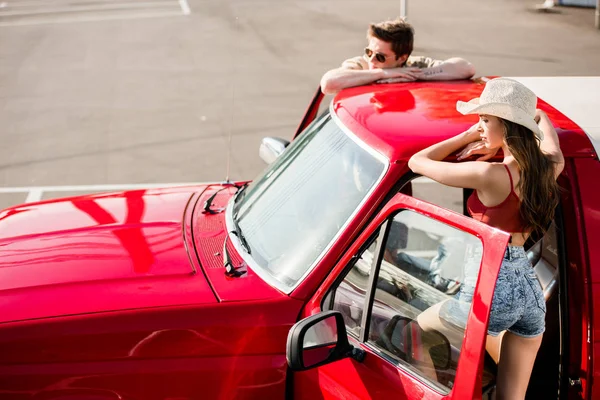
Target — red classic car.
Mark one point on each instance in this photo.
(192, 292)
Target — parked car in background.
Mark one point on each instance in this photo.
(191, 292)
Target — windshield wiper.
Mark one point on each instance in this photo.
(230, 270)
(208, 203)
(240, 190)
(238, 232)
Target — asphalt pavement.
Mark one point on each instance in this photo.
(97, 93)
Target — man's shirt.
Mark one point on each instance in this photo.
(360, 62)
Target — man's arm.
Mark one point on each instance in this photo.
(355, 72)
(340, 78)
(450, 69)
(421, 68)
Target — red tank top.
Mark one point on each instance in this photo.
(505, 216)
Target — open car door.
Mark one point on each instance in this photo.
(387, 324)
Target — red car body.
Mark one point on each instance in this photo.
(124, 295)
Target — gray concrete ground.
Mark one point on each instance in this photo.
(128, 91)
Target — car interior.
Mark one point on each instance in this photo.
(545, 258)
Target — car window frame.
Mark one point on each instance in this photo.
(476, 329)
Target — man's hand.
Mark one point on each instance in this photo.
(400, 74)
(474, 148)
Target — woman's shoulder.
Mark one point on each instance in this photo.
(492, 167)
(505, 167)
(502, 177)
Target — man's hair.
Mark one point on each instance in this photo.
(399, 33)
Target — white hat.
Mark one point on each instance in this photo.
(507, 99)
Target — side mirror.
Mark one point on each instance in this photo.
(271, 148)
(318, 340)
(405, 338)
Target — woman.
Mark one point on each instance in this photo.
(518, 195)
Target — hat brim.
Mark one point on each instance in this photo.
(501, 110)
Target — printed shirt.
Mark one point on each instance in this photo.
(360, 62)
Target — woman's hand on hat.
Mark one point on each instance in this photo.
(475, 148)
(472, 134)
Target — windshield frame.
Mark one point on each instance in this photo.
(251, 262)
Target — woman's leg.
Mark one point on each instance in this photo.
(430, 320)
(493, 345)
(516, 363)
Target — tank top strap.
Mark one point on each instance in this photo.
(512, 189)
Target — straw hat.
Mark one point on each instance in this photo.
(507, 99)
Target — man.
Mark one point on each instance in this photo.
(387, 59)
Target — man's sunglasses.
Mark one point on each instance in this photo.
(378, 56)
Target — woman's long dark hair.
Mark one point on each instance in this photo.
(537, 184)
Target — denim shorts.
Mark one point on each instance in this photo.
(518, 305)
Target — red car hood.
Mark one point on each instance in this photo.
(98, 253)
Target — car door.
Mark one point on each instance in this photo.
(396, 289)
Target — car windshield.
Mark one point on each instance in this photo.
(291, 214)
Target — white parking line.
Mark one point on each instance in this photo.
(85, 8)
(74, 3)
(185, 8)
(58, 12)
(93, 19)
(35, 193)
(33, 196)
(91, 188)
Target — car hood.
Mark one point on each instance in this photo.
(98, 253)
